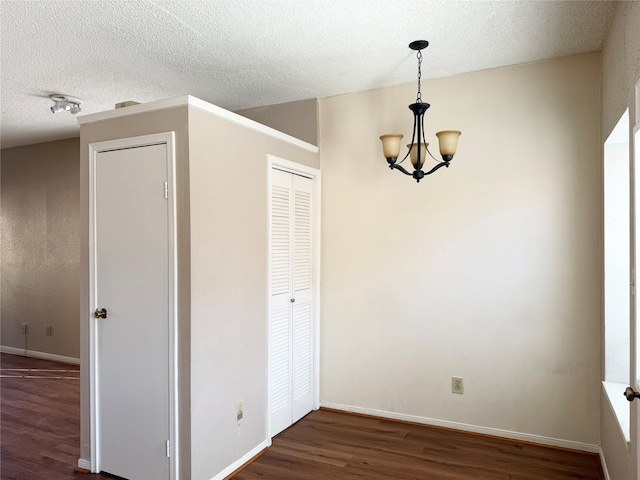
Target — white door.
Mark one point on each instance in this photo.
(131, 270)
(291, 322)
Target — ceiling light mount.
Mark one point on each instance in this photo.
(418, 45)
(448, 139)
(65, 103)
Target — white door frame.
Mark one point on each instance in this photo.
(634, 144)
(168, 139)
(315, 176)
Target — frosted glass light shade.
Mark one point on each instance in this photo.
(391, 145)
(414, 153)
(448, 141)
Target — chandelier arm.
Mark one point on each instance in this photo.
(413, 137)
(398, 167)
(405, 157)
(420, 127)
(439, 161)
(424, 140)
(440, 165)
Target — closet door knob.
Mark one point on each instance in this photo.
(102, 313)
(293, 300)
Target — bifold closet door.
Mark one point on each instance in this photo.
(291, 332)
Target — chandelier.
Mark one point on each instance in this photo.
(448, 139)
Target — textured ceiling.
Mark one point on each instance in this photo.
(245, 53)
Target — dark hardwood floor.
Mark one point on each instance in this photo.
(329, 445)
(40, 440)
(39, 420)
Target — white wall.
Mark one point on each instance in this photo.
(489, 270)
(620, 72)
(229, 285)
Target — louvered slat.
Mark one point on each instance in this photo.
(279, 374)
(302, 240)
(302, 350)
(280, 240)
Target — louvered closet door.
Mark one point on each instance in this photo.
(291, 308)
(302, 334)
(281, 312)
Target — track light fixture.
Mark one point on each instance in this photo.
(65, 103)
(417, 153)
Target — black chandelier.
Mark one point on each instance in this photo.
(448, 139)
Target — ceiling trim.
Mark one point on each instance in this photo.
(201, 105)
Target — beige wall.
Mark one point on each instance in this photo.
(298, 119)
(489, 270)
(620, 72)
(142, 124)
(41, 247)
(222, 278)
(229, 248)
(620, 65)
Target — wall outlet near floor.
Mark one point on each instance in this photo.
(239, 412)
(49, 331)
(24, 329)
(456, 385)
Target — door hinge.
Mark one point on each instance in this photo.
(168, 449)
(166, 189)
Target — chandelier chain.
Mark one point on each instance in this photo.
(419, 55)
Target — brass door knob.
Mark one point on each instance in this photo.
(102, 313)
(631, 394)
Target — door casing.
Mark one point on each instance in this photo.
(635, 307)
(167, 138)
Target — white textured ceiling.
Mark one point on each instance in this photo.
(245, 53)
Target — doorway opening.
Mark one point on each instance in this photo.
(617, 274)
(133, 321)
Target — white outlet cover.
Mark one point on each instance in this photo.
(457, 385)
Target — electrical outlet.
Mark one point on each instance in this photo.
(49, 331)
(457, 386)
(239, 412)
(24, 329)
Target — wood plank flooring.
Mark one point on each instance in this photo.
(39, 420)
(329, 445)
(40, 440)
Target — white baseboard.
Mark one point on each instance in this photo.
(237, 464)
(86, 464)
(496, 432)
(41, 355)
(604, 464)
